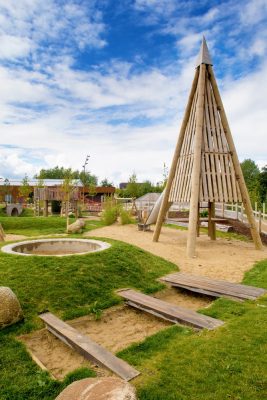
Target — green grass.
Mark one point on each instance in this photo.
(69, 287)
(177, 363)
(35, 226)
(227, 363)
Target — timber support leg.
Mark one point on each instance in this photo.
(211, 224)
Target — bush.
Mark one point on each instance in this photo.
(125, 217)
(110, 215)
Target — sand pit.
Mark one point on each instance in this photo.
(221, 259)
(118, 328)
(121, 326)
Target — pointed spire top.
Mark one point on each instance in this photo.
(203, 55)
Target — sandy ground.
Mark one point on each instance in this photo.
(121, 326)
(221, 259)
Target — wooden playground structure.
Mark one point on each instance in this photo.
(205, 165)
(48, 194)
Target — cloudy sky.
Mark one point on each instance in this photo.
(110, 78)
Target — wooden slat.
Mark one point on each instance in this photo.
(213, 287)
(87, 347)
(168, 311)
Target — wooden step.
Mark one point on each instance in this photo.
(168, 311)
(87, 347)
(213, 287)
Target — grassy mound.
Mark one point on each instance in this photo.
(227, 363)
(69, 287)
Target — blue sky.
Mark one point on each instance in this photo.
(111, 79)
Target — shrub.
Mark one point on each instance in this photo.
(125, 217)
(110, 215)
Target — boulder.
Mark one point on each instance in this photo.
(10, 309)
(99, 389)
(76, 226)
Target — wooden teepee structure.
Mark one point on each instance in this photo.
(205, 166)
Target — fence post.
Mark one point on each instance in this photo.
(236, 209)
(256, 206)
(263, 209)
(242, 213)
(260, 221)
(223, 210)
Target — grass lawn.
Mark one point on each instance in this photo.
(69, 287)
(176, 363)
(31, 226)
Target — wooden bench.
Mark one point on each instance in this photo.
(213, 287)
(87, 347)
(168, 311)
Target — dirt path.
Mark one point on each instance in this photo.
(223, 259)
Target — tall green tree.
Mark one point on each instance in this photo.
(60, 173)
(251, 174)
(263, 185)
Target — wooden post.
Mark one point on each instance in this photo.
(236, 209)
(211, 224)
(238, 171)
(195, 180)
(259, 221)
(46, 208)
(223, 209)
(165, 202)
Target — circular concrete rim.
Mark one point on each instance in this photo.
(9, 248)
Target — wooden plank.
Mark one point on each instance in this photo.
(213, 287)
(215, 282)
(87, 347)
(168, 311)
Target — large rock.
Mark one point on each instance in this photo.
(76, 226)
(10, 309)
(98, 389)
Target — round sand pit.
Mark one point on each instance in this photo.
(55, 247)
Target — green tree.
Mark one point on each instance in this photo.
(251, 174)
(106, 183)
(68, 186)
(25, 189)
(263, 184)
(132, 188)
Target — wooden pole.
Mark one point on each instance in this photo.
(211, 224)
(46, 208)
(195, 182)
(238, 171)
(165, 201)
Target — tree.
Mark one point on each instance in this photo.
(106, 183)
(57, 173)
(67, 187)
(60, 173)
(263, 184)
(5, 191)
(87, 178)
(25, 189)
(251, 174)
(132, 187)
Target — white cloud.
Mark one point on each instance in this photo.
(14, 47)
